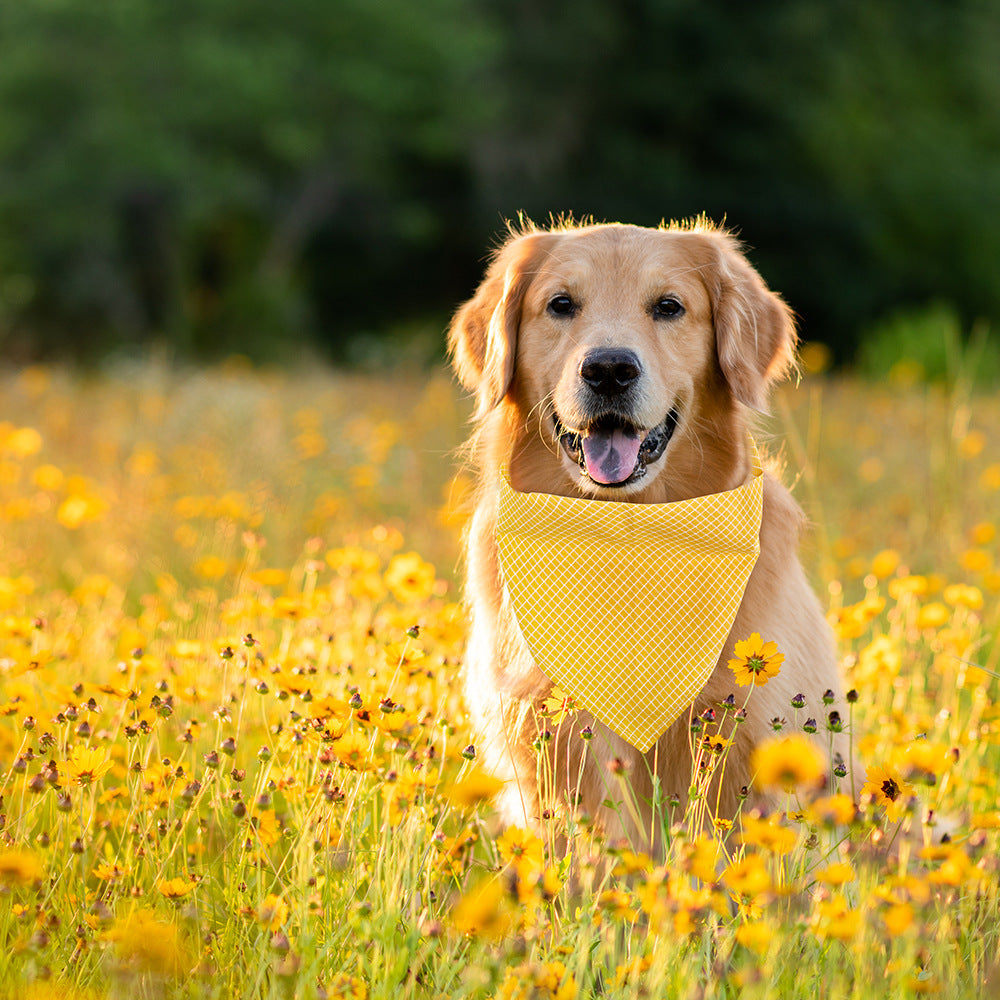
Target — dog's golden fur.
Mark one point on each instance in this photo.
(519, 347)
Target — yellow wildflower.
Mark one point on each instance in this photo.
(534, 981)
(955, 869)
(961, 594)
(211, 568)
(477, 786)
(631, 972)
(976, 560)
(756, 936)
(617, 903)
(559, 705)
(768, 834)
(903, 585)
(897, 918)
(700, 858)
(748, 876)
(881, 658)
(834, 810)
(933, 615)
(985, 820)
(519, 846)
(148, 945)
(850, 622)
(838, 873)
(982, 533)
(989, 478)
(272, 912)
(715, 743)
(630, 863)
(788, 762)
(48, 477)
(346, 987)
(19, 867)
(971, 444)
(409, 578)
(885, 563)
(79, 508)
(835, 919)
(86, 765)
(353, 750)
(483, 910)
(885, 787)
(109, 872)
(23, 442)
(265, 825)
(756, 661)
(927, 757)
(175, 888)
(269, 577)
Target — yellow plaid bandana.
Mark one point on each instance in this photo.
(627, 605)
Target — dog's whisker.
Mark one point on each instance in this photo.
(544, 410)
(694, 427)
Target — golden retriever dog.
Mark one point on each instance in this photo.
(614, 362)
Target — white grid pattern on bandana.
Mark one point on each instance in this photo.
(627, 606)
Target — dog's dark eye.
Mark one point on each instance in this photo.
(562, 305)
(667, 308)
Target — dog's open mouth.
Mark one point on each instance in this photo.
(613, 452)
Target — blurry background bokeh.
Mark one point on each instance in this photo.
(212, 177)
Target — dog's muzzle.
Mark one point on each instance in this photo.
(613, 452)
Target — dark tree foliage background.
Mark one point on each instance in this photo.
(248, 176)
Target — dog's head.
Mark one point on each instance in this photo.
(617, 347)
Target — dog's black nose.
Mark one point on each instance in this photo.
(610, 371)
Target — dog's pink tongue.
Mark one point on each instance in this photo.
(610, 455)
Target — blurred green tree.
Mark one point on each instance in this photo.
(163, 167)
(227, 176)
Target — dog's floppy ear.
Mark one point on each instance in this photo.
(483, 335)
(754, 330)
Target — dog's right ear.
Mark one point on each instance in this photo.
(483, 335)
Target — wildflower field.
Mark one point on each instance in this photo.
(234, 759)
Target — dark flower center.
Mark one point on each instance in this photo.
(890, 789)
